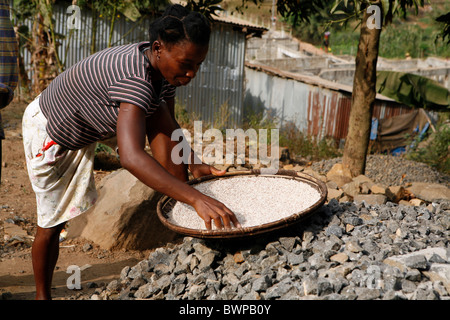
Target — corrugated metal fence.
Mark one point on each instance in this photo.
(75, 44)
(219, 82)
(316, 110)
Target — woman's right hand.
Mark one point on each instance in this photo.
(210, 209)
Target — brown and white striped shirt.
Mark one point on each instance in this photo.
(82, 104)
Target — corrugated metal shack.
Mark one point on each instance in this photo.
(314, 105)
(220, 80)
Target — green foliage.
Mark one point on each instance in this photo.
(306, 146)
(296, 11)
(399, 39)
(206, 7)
(23, 9)
(389, 9)
(445, 20)
(420, 36)
(259, 121)
(299, 10)
(222, 117)
(312, 30)
(103, 148)
(434, 151)
(181, 115)
(298, 143)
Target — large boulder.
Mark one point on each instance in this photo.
(430, 192)
(339, 174)
(124, 216)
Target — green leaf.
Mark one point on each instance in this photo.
(335, 6)
(340, 12)
(130, 11)
(385, 7)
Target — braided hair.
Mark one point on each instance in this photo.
(178, 24)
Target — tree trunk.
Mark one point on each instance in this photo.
(44, 58)
(94, 30)
(363, 99)
(38, 52)
(24, 80)
(113, 21)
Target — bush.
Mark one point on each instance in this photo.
(435, 150)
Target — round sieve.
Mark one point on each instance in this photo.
(166, 204)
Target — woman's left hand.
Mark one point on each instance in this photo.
(203, 169)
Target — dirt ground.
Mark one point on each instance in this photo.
(17, 203)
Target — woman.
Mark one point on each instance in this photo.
(127, 91)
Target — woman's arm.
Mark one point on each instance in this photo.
(131, 133)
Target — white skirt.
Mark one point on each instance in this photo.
(63, 180)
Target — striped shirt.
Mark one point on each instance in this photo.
(82, 104)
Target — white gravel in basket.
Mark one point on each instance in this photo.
(254, 200)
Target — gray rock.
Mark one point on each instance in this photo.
(196, 292)
(310, 285)
(394, 295)
(334, 230)
(435, 258)
(281, 289)
(413, 275)
(354, 221)
(416, 262)
(367, 293)
(295, 259)
(408, 286)
(161, 269)
(163, 282)
(176, 289)
(135, 272)
(206, 261)
(136, 283)
(349, 293)
(114, 286)
(417, 259)
(145, 291)
(439, 272)
(324, 287)
(288, 243)
(252, 295)
(181, 268)
(262, 283)
(159, 256)
(124, 272)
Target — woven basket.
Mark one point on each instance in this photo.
(166, 204)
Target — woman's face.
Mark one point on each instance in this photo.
(179, 63)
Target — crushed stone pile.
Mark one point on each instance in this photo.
(391, 170)
(346, 251)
